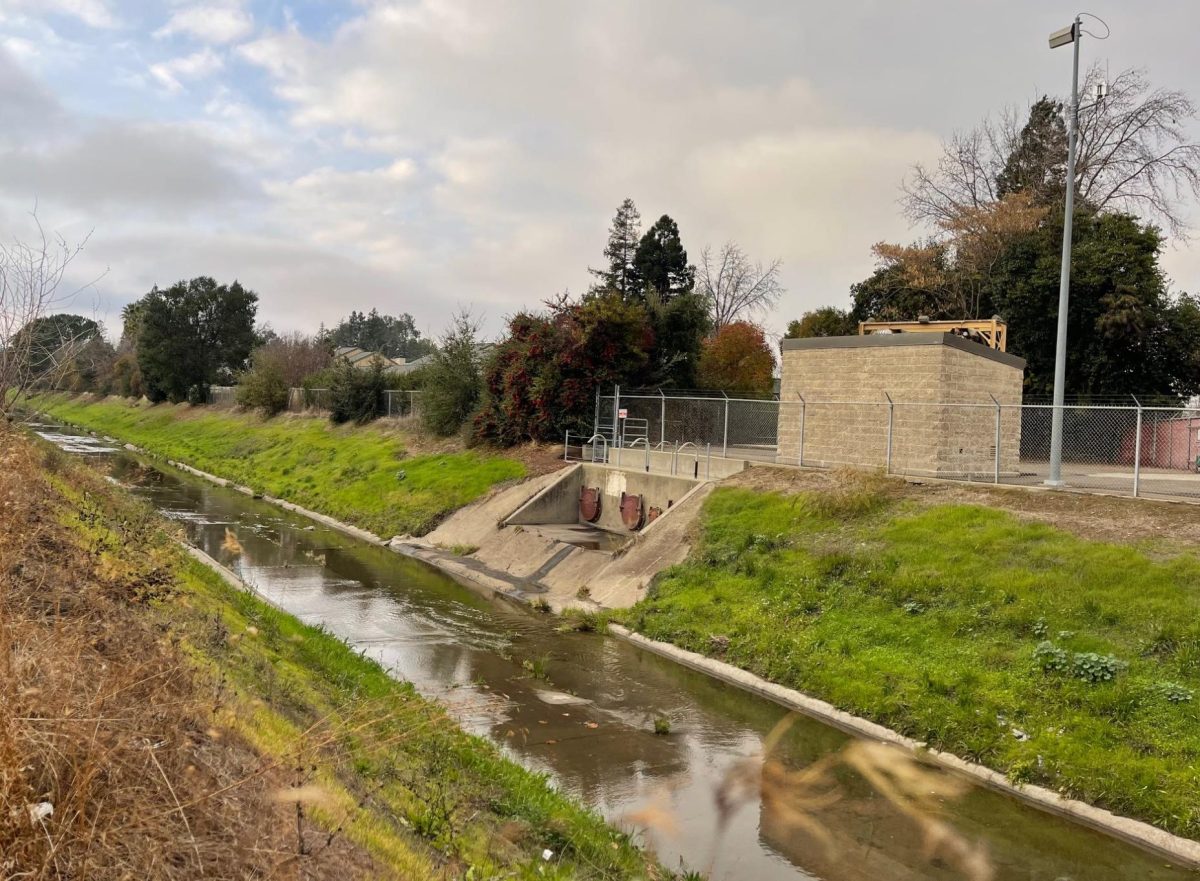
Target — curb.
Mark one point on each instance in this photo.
(1181, 850)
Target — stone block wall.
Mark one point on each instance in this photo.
(844, 382)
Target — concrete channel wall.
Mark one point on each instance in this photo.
(559, 502)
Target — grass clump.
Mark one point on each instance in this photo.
(1061, 661)
(349, 472)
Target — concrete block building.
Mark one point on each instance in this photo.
(944, 390)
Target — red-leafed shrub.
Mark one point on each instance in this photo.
(541, 380)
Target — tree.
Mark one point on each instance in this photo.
(280, 364)
(679, 328)
(1127, 335)
(31, 287)
(1135, 154)
(193, 334)
(735, 287)
(356, 395)
(738, 358)
(541, 378)
(395, 336)
(453, 381)
(825, 321)
(660, 263)
(294, 356)
(51, 343)
(1037, 161)
(623, 238)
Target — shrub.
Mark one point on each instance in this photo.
(541, 379)
(263, 388)
(452, 383)
(356, 395)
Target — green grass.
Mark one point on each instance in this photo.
(929, 620)
(422, 797)
(359, 474)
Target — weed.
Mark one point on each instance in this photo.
(662, 726)
(538, 668)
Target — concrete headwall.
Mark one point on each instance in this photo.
(559, 502)
(844, 414)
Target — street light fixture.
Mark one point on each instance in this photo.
(1070, 34)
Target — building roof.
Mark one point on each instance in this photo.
(888, 340)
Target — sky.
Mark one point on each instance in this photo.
(432, 155)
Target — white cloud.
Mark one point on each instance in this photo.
(94, 13)
(171, 74)
(221, 23)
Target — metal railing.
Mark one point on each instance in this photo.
(1125, 448)
(665, 459)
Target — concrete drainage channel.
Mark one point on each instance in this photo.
(546, 499)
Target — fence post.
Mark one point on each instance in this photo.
(662, 421)
(725, 436)
(567, 447)
(1137, 447)
(616, 410)
(708, 464)
(891, 409)
(803, 407)
(596, 417)
(996, 474)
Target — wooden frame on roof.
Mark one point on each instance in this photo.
(991, 332)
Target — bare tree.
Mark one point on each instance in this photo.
(31, 288)
(1134, 155)
(735, 287)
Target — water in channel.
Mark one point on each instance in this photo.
(581, 708)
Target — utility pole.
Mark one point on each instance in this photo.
(1072, 35)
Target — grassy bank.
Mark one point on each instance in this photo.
(339, 767)
(1067, 662)
(364, 475)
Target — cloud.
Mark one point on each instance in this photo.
(143, 168)
(209, 23)
(171, 74)
(94, 13)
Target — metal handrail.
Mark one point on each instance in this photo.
(636, 440)
(675, 458)
(592, 440)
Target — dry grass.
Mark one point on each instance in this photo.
(111, 765)
(1174, 526)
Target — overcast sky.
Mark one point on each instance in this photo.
(418, 156)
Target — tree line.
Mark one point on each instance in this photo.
(995, 202)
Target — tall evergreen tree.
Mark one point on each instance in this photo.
(1037, 163)
(623, 236)
(661, 263)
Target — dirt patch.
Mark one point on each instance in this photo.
(113, 763)
(1164, 526)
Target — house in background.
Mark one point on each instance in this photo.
(364, 360)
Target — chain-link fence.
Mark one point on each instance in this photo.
(306, 399)
(733, 426)
(402, 403)
(1122, 448)
(222, 395)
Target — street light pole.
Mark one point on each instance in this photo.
(1073, 34)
